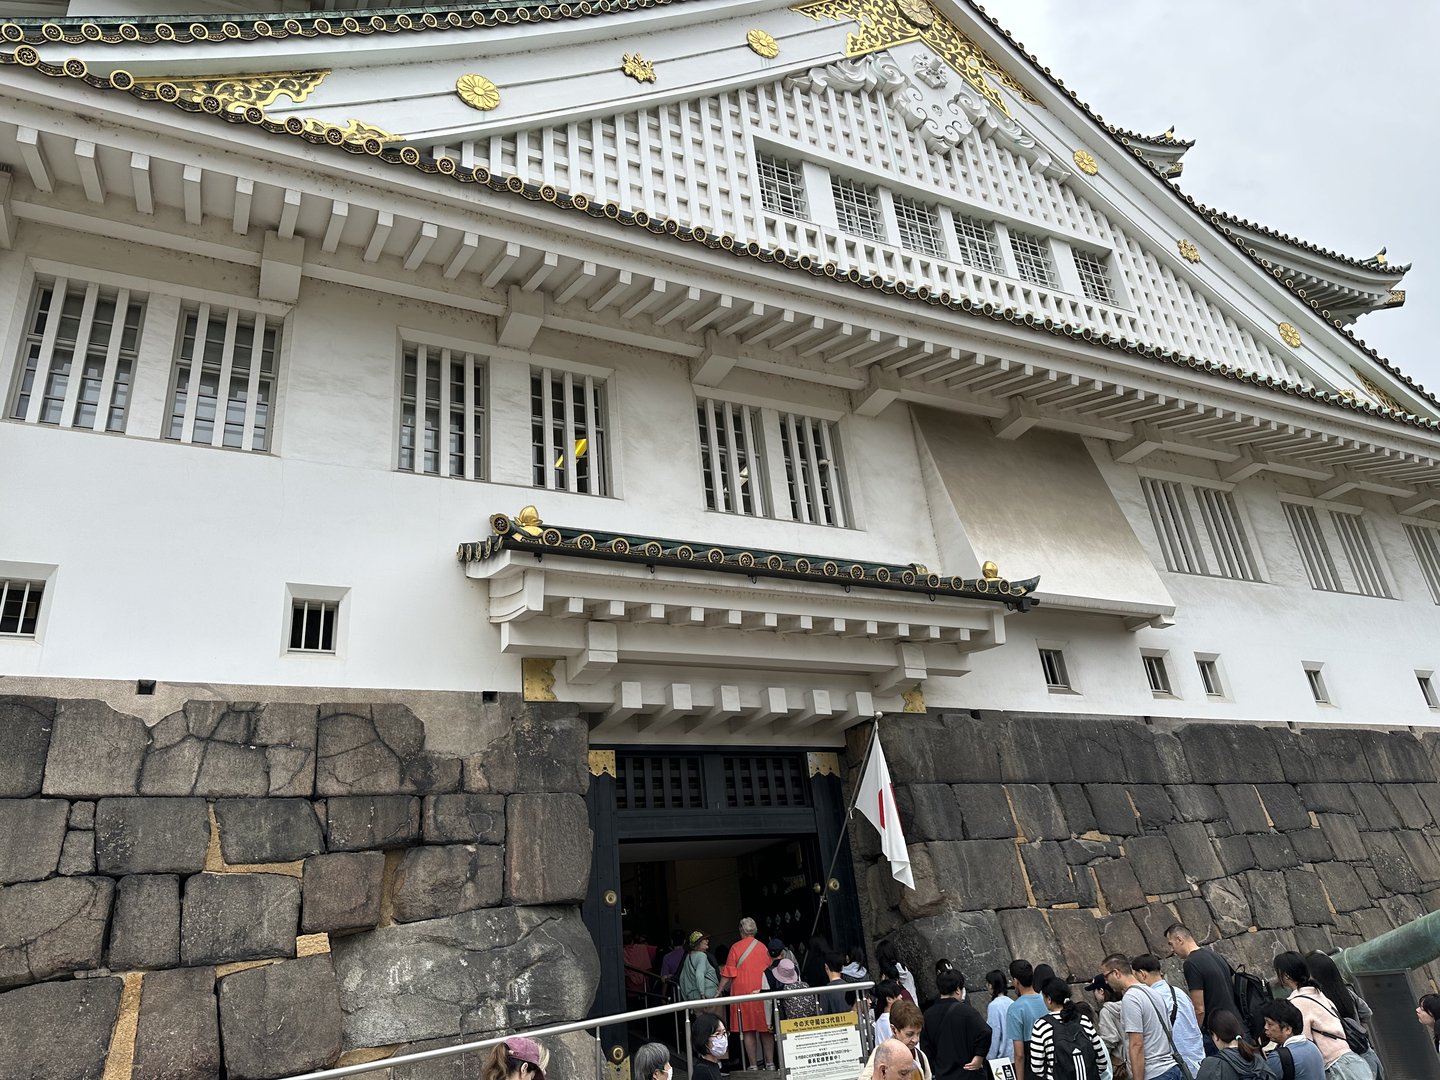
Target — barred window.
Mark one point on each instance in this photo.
(1360, 554)
(1337, 551)
(570, 449)
(813, 475)
(1032, 259)
(222, 388)
(1217, 547)
(1094, 277)
(79, 356)
(1314, 550)
(919, 226)
(312, 625)
(782, 186)
(20, 607)
(857, 208)
(1425, 542)
(1052, 665)
(442, 412)
(731, 458)
(977, 246)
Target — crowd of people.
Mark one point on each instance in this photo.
(1220, 1025)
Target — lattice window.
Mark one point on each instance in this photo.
(1052, 665)
(1174, 526)
(857, 208)
(312, 625)
(1365, 568)
(976, 244)
(919, 225)
(765, 780)
(442, 412)
(732, 458)
(1222, 549)
(20, 607)
(813, 471)
(1425, 541)
(1314, 549)
(569, 441)
(658, 782)
(79, 356)
(1094, 274)
(782, 186)
(1032, 259)
(223, 384)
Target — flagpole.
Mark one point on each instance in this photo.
(839, 840)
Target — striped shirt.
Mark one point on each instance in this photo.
(1041, 1053)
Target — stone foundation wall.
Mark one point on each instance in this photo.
(1065, 839)
(266, 889)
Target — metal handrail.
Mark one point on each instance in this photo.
(596, 1022)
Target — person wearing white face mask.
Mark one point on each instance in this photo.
(652, 1062)
(711, 1043)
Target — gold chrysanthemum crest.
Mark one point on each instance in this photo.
(637, 67)
(918, 12)
(478, 92)
(762, 44)
(1085, 162)
(1289, 335)
(1188, 251)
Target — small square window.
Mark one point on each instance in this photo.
(782, 186)
(857, 208)
(1094, 277)
(1316, 680)
(1032, 259)
(20, 607)
(1157, 675)
(919, 226)
(312, 625)
(1052, 664)
(1210, 677)
(1427, 689)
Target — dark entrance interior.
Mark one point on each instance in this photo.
(697, 838)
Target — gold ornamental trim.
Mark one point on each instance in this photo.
(237, 92)
(602, 763)
(1373, 389)
(638, 68)
(823, 764)
(884, 24)
(1085, 162)
(478, 92)
(762, 44)
(1188, 251)
(537, 678)
(1289, 335)
(914, 699)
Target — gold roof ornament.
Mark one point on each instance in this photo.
(1289, 335)
(1188, 251)
(1085, 162)
(238, 92)
(1379, 256)
(762, 44)
(638, 68)
(528, 521)
(478, 92)
(918, 12)
(990, 571)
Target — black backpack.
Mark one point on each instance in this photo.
(1072, 1050)
(1252, 993)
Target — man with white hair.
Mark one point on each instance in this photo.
(893, 1061)
(744, 973)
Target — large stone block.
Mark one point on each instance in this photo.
(1410, 808)
(926, 898)
(465, 819)
(1286, 809)
(972, 940)
(366, 822)
(1195, 916)
(1149, 756)
(267, 830)
(1310, 845)
(1028, 935)
(145, 932)
(178, 1036)
(342, 891)
(229, 917)
(94, 751)
(151, 836)
(1376, 811)
(1274, 851)
(1343, 836)
(32, 833)
(77, 856)
(281, 1019)
(25, 726)
(1050, 749)
(1196, 802)
(1319, 755)
(433, 882)
(59, 1030)
(48, 928)
(1119, 934)
(1115, 814)
(985, 811)
(1328, 798)
(1396, 756)
(1307, 900)
(929, 811)
(1155, 864)
(1419, 852)
(979, 874)
(1153, 920)
(1152, 803)
(1229, 903)
(1195, 851)
(1118, 884)
(1269, 900)
(1391, 863)
(1342, 886)
(1038, 812)
(1216, 752)
(1079, 935)
(231, 749)
(378, 750)
(1076, 808)
(460, 971)
(548, 847)
(1234, 853)
(1048, 873)
(538, 747)
(1244, 811)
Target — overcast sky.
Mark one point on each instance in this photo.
(1315, 117)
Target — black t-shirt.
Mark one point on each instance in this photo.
(953, 1035)
(1206, 971)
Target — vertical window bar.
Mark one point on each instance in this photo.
(1425, 542)
(1364, 563)
(468, 456)
(197, 353)
(47, 349)
(548, 474)
(597, 467)
(799, 478)
(811, 458)
(79, 353)
(106, 403)
(570, 450)
(717, 481)
(738, 498)
(442, 433)
(754, 457)
(834, 484)
(1314, 552)
(252, 390)
(222, 389)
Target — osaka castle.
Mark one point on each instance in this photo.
(475, 477)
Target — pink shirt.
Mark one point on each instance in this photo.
(1322, 1023)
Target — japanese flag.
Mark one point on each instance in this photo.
(876, 800)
